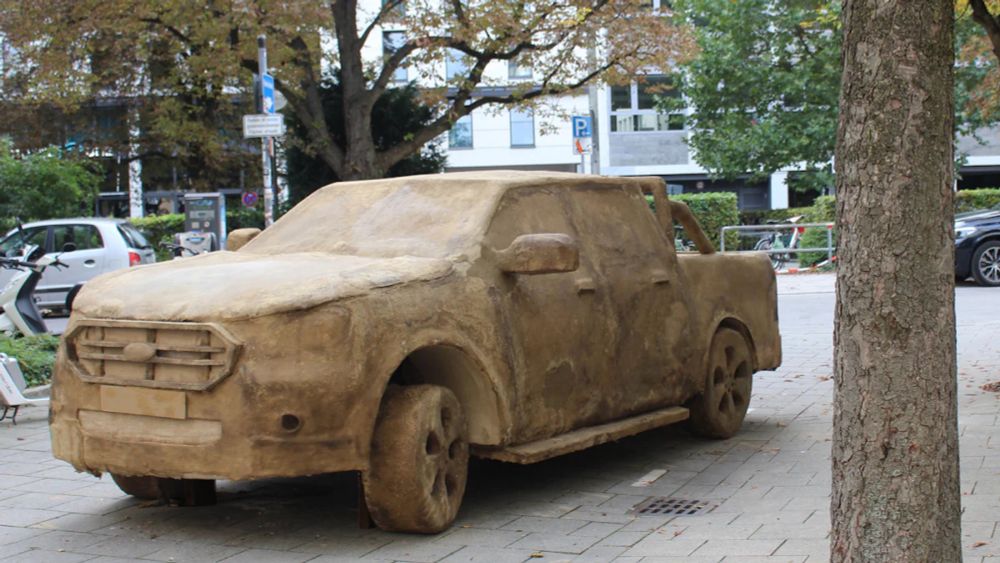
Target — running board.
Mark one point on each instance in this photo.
(583, 438)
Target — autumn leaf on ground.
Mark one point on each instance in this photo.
(994, 387)
(980, 544)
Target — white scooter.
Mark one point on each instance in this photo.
(17, 299)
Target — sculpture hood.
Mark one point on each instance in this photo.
(235, 285)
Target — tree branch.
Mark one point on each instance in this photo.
(989, 23)
(386, 9)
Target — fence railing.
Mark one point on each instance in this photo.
(762, 231)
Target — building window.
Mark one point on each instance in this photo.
(396, 10)
(522, 128)
(391, 42)
(456, 64)
(633, 107)
(515, 69)
(460, 136)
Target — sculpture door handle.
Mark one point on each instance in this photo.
(585, 285)
(660, 276)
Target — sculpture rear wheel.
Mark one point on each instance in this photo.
(419, 460)
(719, 411)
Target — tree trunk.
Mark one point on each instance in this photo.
(896, 493)
(360, 162)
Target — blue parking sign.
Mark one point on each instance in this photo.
(581, 127)
(267, 93)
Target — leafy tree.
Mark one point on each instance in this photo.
(89, 74)
(206, 45)
(44, 185)
(764, 86)
(896, 494)
(977, 30)
(397, 116)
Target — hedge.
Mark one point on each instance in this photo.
(714, 210)
(824, 210)
(971, 200)
(162, 228)
(35, 355)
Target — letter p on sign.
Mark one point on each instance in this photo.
(581, 127)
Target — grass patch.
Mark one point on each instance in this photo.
(35, 355)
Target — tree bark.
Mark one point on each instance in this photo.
(896, 493)
(360, 162)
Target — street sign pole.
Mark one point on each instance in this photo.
(266, 143)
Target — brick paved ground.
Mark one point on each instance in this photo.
(770, 485)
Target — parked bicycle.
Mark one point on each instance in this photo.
(779, 245)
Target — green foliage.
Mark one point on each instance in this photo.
(160, 229)
(814, 238)
(397, 116)
(824, 210)
(44, 185)
(972, 200)
(765, 86)
(35, 355)
(714, 210)
(244, 217)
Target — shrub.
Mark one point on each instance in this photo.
(714, 210)
(35, 355)
(244, 217)
(823, 210)
(44, 185)
(971, 200)
(160, 229)
(814, 238)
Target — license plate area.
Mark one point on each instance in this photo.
(162, 403)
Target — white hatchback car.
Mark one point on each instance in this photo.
(88, 246)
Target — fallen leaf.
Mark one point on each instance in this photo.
(980, 544)
(993, 387)
(537, 555)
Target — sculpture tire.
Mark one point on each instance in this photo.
(419, 460)
(720, 409)
(146, 488)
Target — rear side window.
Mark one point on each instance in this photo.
(70, 238)
(12, 245)
(133, 237)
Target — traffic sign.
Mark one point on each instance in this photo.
(582, 127)
(249, 199)
(263, 125)
(267, 93)
(582, 145)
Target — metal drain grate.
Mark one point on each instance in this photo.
(665, 506)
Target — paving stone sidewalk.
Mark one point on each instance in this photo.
(768, 488)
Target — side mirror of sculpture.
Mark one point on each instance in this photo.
(239, 237)
(544, 253)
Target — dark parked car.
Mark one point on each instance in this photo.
(977, 246)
